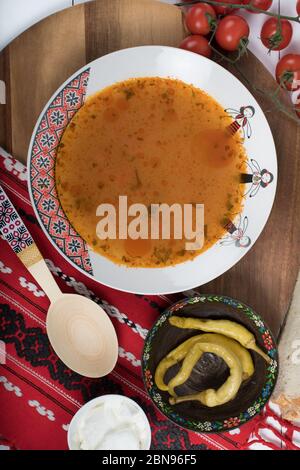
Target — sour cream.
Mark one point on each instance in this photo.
(111, 422)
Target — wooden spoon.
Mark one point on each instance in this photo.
(79, 331)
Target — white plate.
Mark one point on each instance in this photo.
(156, 61)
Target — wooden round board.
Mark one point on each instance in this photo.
(35, 64)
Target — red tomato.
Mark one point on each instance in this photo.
(261, 4)
(222, 10)
(232, 31)
(276, 35)
(298, 7)
(197, 44)
(200, 19)
(288, 72)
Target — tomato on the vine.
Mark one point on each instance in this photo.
(197, 44)
(261, 4)
(276, 34)
(298, 7)
(288, 72)
(201, 19)
(232, 33)
(223, 10)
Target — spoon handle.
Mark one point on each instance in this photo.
(18, 237)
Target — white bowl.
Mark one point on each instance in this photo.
(72, 442)
(156, 61)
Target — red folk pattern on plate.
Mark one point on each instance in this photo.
(52, 125)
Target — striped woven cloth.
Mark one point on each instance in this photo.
(38, 393)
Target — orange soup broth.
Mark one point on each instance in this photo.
(156, 141)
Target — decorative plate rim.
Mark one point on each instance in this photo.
(208, 426)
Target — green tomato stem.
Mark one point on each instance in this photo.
(237, 6)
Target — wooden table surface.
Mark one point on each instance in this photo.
(37, 62)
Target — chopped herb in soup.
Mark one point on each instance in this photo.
(156, 141)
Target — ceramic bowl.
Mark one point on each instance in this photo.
(210, 371)
(154, 61)
(81, 413)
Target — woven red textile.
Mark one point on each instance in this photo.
(38, 393)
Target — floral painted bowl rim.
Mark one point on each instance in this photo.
(242, 231)
(210, 426)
